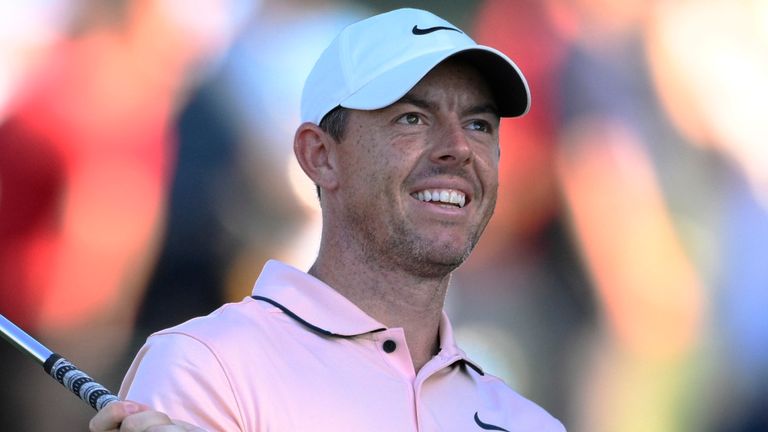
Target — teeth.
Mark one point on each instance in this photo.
(447, 196)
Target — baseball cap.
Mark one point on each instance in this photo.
(374, 62)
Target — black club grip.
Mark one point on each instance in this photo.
(78, 382)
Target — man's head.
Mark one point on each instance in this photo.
(410, 181)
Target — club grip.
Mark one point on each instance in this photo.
(78, 382)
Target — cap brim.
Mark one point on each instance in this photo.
(507, 83)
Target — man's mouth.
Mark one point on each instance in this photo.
(449, 197)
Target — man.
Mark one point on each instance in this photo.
(400, 134)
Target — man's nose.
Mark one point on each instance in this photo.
(451, 146)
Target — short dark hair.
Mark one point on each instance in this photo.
(334, 124)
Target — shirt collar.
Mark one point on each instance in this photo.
(312, 302)
(322, 309)
(449, 350)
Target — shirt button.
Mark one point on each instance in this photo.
(389, 346)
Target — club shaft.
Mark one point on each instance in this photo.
(23, 342)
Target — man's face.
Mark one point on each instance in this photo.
(418, 179)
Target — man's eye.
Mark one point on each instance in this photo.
(410, 118)
(480, 126)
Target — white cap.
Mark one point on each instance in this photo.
(375, 62)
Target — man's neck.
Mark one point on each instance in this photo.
(396, 299)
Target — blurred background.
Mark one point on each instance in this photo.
(146, 175)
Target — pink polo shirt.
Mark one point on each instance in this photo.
(298, 356)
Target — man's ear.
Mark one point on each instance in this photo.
(315, 151)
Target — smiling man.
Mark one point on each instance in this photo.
(400, 134)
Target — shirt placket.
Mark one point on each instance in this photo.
(437, 363)
(393, 348)
(391, 344)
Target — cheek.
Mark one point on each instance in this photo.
(382, 175)
(488, 170)
(378, 160)
(367, 173)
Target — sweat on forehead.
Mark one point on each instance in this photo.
(374, 62)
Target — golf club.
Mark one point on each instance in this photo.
(61, 369)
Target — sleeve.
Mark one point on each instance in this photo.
(181, 376)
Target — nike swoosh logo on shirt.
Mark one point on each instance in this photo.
(419, 31)
(487, 426)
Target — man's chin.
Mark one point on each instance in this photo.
(426, 254)
(438, 262)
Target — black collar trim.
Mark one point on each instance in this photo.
(325, 332)
(464, 362)
(306, 324)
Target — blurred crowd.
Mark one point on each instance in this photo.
(146, 175)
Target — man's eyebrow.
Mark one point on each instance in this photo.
(487, 108)
(413, 100)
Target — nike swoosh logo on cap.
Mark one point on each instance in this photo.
(487, 426)
(418, 31)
